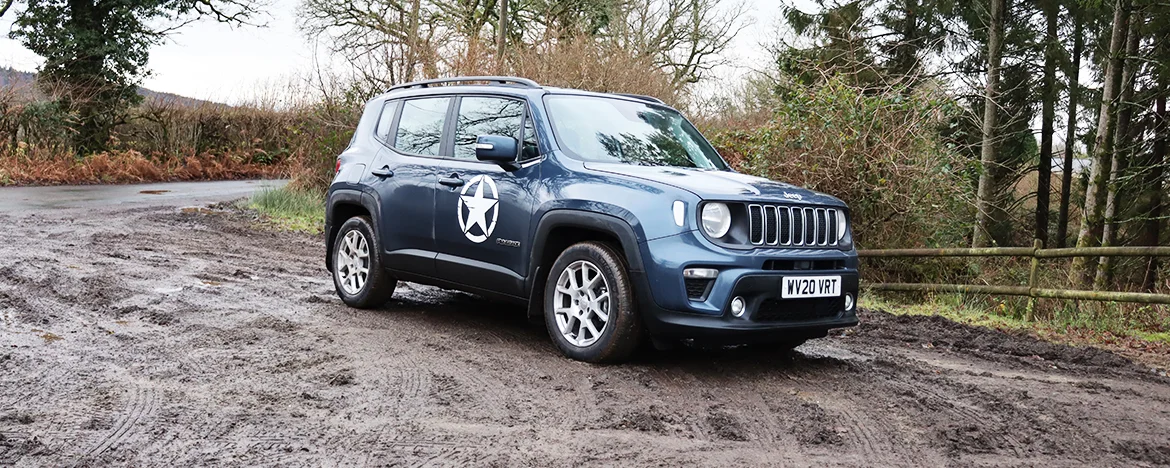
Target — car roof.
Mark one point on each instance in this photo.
(500, 85)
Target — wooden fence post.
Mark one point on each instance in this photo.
(1030, 314)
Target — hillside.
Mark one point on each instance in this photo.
(24, 81)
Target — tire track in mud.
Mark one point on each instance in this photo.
(967, 415)
(142, 402)
(869, 435)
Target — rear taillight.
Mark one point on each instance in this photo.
(338, 168)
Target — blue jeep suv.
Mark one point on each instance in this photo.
(609, 215)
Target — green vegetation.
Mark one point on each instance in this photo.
(879, 151)
(1098, 324)
(301, 210)
(96, 53)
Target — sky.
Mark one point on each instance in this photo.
(213, 61)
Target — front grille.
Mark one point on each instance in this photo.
(798, 310)
(792, 225)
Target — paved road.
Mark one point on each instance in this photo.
(164, 194)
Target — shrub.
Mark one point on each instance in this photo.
(878, 152)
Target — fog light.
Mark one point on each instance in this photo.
(737, 306)
(848, 302)
(700, 273)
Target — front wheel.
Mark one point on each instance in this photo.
(357, 271)
(589, 305)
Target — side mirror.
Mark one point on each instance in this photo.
(496, 148)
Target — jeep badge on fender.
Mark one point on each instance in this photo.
(609, 215)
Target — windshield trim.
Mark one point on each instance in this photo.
(577, 157)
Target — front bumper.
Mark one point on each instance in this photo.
(670, 312)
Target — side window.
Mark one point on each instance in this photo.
(529, 148)
(485, 116)
(382, 131)
(420, 128)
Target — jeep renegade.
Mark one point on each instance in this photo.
(609, 215)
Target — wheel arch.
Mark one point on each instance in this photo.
(341, 205)
(561, 228)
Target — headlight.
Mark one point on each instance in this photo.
(842, 225)
(716, 219)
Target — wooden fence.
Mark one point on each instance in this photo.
(1037, 253)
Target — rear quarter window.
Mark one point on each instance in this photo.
(386, 120)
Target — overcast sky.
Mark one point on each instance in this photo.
(207, 60)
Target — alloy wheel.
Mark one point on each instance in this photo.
(582, 303)
(352, 264)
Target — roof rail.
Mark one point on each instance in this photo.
(504, 80)
(642, 97)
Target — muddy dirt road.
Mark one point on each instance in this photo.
(149, 336)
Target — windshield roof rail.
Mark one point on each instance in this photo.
(494, 80)
(641, 97)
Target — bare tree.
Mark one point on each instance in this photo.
(393, 41)
(986, 193)
(1083, 268)
(385, 42)
(1070, 136)
(680, 36)
(1048, 118)
(1121, 149)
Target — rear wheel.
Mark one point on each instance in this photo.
(589, 306)
(357, 271)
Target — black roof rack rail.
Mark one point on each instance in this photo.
(642, 97)
(525, 82)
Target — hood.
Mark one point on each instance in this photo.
(720, 185)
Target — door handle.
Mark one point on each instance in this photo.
(453, 181)
(383, 172)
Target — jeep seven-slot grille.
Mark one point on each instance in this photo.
(792, 225)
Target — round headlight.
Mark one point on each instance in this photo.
(841, 225)
(716, 219)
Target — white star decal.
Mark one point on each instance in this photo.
(478, 207)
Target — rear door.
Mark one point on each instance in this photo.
(483, 210)
(404, 178)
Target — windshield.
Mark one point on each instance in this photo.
(618, 131)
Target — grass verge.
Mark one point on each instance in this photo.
(290, 209)
(1142, 345)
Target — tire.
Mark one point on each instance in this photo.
(587, 278)
(377, 286)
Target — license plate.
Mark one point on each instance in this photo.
(797, 287)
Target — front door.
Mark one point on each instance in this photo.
(483, 210)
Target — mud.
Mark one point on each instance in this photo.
(162, 336)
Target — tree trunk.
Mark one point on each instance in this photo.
(1044, 172)
(1154, 183)
(1084, 268)
(412, 55)
(502, 40)
(1122, 149)
(1070, 137)
(986, 195)
(905, 60)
